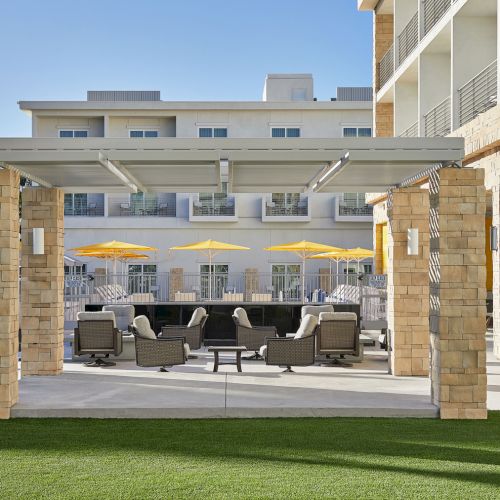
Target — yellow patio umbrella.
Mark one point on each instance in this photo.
(210, 248)
(346, 255)
(358, 254)
(337, 256)
(110, 256)
(304, 249)
(114, 249)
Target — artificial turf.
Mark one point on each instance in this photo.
(257, 458)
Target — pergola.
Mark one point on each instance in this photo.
(453, 213)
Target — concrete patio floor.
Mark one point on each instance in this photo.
(194, 391)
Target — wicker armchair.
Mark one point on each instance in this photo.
(338, 335)
(252, 337)
(153, 351)
(193, 332)
(96, 333)
(293, 351)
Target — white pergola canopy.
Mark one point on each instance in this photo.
(249, 165)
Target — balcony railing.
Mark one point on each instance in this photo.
(408, 39)
(90, 210)
(411, 131)
(478, 95)
(348, 211)
(214, 207)
(437, 121)
(352, 206)
(434, 10)
(386, 67)
(146, 209)
(293, 208)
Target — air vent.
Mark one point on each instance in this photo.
(123, 95)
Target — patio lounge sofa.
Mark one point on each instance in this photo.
(315, 310)
(95, 334)
(338, 335)
(193, 332)
(151, 350)
(294, 350)
(252, 337)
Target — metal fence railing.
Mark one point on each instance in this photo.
(386, 67)
(90, 210)
(150, 208)
(411, 131)
(479, 94)
(408, 39)
(154, 288)
(284, 208)
(434, 10)
(216, 205)
(437, 121)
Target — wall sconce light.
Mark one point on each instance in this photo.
(412, 248)
(38, 241)
(493, 238)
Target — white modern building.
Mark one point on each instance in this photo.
(288, 110)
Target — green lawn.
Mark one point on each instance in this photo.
(272, 458)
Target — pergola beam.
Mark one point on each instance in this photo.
(119, 173)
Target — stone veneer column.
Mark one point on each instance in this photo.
(496, 272)
(9, 289)
(408, 282)
(251, 282)
(176, 282)
(458, 292)
(42, 283)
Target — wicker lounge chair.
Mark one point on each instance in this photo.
(337, 335)
(124, 316)
(95, 334)
(296, 350)
(193, 332)
(153, 351)
(315, 310)
(252, 337)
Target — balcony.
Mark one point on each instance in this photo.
(437, 121)
(84, 205)
(286, 207)
(434, 10)
(478, 95)
(408, 39)
(352, 207)
(411, 131)
(212, 207)
(386, 67)
(140, 205)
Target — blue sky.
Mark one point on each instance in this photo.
(188, 49)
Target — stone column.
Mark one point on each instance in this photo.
(176, 282)
(496, 272)
(9, 289)
(251, 282)
(408, 282)
(42, 284)
(458, 292)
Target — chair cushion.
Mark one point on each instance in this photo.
(124, 315)
(198, 314)
(187, 350)
(315, 310)
(96, 315)
(263, 351)
(344, 316)
(141, 324)
(307, 326)
(241, 315)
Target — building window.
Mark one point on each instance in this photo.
(286, 279)
(75, 204)
(357, 132)
(219, 274)
(76, 270)
(212, 132)
(285, 132)
(73, 133)
(143, 133)
(142, 278)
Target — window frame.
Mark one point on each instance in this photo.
(286, 129)
(212, 129)
(357, 128)
(144, 130)
(73, 130)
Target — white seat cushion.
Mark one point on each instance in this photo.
(242, 317)
(96, 315)
(307, 326)
(141, 324)
(344, 316)
(198, 314)
(187, 350)
(315, 310)
(263, 351)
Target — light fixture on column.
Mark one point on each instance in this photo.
(412, 241)
(493, 238)
(38, 241)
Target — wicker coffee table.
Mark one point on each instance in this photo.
(236, 349)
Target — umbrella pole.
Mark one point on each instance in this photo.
(209, 275)
(303, 278)
(331, 277)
